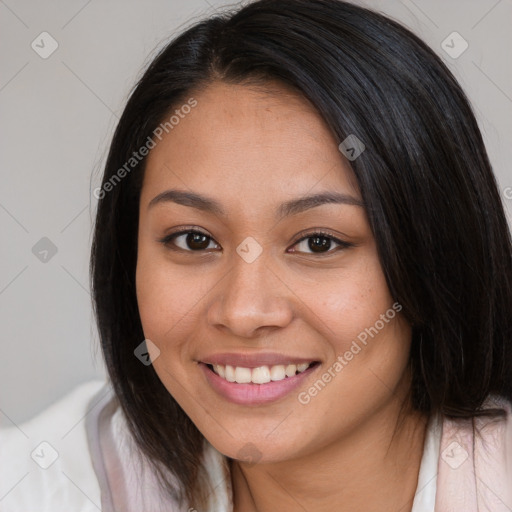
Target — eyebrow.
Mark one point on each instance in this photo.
(292, 207)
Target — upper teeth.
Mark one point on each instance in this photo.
(259, 375)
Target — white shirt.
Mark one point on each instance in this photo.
(57, 461)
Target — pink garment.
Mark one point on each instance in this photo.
(474, 472)
(126, 479)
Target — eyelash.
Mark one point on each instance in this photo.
(168, 239)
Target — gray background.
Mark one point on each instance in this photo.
(58, 115)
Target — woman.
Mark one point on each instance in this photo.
(302, 276)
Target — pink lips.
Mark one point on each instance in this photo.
(255, 394)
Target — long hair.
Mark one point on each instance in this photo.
(425, 178)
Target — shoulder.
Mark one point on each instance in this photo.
(494, 435)
(45, 464)
(475, 464)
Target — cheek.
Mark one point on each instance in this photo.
(162, 295)
(165, 293)
(348, 303)
(165, 307)
(367, 337)
(368, 344)
(156, 302)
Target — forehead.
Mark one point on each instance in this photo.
(250, 143)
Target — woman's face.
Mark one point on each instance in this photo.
(256, 289)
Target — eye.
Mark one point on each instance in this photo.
(193, 240)
(190, 240)
(320, 242)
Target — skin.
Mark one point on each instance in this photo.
(252, 150)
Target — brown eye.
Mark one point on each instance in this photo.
(320, 243)
(191, 241)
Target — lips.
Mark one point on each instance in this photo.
(256, 379)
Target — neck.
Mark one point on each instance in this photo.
(373, 468)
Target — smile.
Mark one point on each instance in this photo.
(259, 375)
(258, 385)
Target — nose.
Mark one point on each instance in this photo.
(251, 300)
